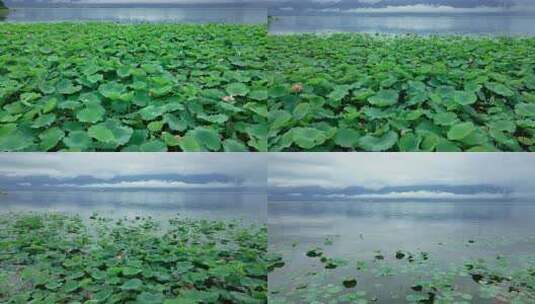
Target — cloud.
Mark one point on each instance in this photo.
(431, 195)
(129, 170)
(151, 184)
(378, 170)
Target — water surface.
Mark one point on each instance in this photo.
(397, 23)
(137, 15)
(250, 207)
(451, 232)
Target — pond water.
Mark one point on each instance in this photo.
(397, 23)
(451, 233)
(251, 207)
(136, 15)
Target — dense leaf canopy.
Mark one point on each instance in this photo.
(156, 87)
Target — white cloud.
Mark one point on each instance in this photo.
(420, 195)
(151, 184)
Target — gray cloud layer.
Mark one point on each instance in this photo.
(249, 169)
(379, 170)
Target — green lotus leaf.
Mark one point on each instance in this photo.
(150, 298)
(47, 88)
(50, 105)
(111, 132)
(525, 109)
(132, 284)
(170, 140)
(27, 98)
(78, 140)
(445, 118)
(71, 286)
(101, 133)
(207, 138)
(130, 271)
(12, 139)
(66, 87)
(378, 143)
(95, 78)
(279, 119)
(175, 123)
(112, 90)
(216, 118)
(124, 71)
(91, 113)
(151, 112)
(338, 93)
(153, 146)
(231, 145)
(347, 138)
(258, 95)
(499, 89)
(44, 120)
(260, 109)
(503, 125)
(237, 89)
(189, 143)
(409, 142)
(308, 138)
(278, 91)
(464, 97)
(50, 138)
(155, 126)
(384, 98)
(461, 131)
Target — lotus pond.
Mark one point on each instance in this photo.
(146, 87)
(59, 258)
(359, 92)
(162, 87)
(340, 252)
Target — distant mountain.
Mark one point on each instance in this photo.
(319, 193)
(141, 4)
(133, 182)
(345, 5)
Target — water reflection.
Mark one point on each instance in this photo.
(249, 206)
(136, 15)
(451, 232)
(391, 224)
(412, 23)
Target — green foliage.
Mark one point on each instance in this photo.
(405, 93)
(55, 258)
(101, 87)
(234, 88)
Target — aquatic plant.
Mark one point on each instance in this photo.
(145, 87)
(158, 87)
(56, 258)
(359, 92)
(406, 276)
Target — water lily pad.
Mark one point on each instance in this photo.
(461, 131)
(384, 98)
(378, 143)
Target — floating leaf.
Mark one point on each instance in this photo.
(378, 143)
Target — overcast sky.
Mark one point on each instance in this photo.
(133, 170)
(377, 170)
